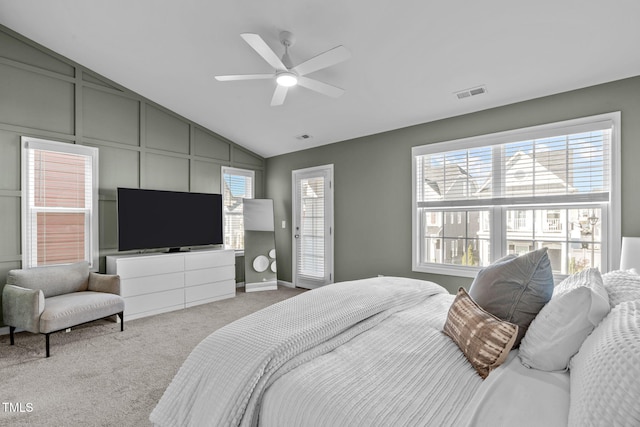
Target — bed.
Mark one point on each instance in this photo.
(374, 352)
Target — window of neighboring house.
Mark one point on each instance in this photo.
(237, 184)
(554, 186)
(59, 203)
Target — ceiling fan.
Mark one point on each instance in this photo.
(286, 75)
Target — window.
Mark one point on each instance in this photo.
(237, 184)
(59, 203)
(554, 186)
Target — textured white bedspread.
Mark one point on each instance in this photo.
(222, 382)
(402, 372)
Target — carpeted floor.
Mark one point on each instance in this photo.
(99, 376)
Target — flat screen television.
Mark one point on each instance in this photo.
(153, 219)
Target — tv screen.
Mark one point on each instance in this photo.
(151, 219)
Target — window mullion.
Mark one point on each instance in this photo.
(498, 236)
(497, 171)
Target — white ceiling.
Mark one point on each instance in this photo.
(409, 57)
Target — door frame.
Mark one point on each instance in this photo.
(329, 224)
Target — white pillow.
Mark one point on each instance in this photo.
(605, 390)
(577, 305)
(622, 285)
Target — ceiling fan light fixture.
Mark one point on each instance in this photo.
(287, 79)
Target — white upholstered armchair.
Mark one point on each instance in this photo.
(50, 299)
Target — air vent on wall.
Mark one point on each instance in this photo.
(467, 93)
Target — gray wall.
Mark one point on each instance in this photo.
(372, 178)
(141, 143)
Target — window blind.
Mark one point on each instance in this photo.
(60, 196)
(571, 167)
(311, 247)
(237, 185)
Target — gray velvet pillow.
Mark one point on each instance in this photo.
(515, 288)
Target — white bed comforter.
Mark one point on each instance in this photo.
(223, 380)
(402, 372)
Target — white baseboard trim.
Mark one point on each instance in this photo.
(270, 285)
(4, 330)
(280, 283)
(287, 284)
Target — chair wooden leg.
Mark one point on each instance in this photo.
(47, 340)
(12, 329)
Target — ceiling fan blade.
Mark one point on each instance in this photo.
(279, 95)
(320, 87)
(324, 60)
(243, 77)
(259, 45)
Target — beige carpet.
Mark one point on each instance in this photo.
(99, 376)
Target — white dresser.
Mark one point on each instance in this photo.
(160, 282)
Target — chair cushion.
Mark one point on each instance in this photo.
(64, 311)
(54, 280)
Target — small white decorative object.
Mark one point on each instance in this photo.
(272, 253)
(274, 268)
(260, 263)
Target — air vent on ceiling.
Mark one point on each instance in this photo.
(467, 93)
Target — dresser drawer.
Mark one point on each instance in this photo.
(209, 275)
(149, 265)
(209, 259)
(150, 284)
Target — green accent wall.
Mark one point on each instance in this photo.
(372, 178)
(142, 144)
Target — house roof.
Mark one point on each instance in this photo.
(521, 168)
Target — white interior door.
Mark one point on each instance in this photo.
(312, 226)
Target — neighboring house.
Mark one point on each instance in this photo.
(567, 233)
(450, 228)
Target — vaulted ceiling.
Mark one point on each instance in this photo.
(408, 60)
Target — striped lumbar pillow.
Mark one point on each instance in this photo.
(483, 338)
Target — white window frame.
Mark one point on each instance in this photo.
(246, 173)
(611, 210)
(29, 239)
